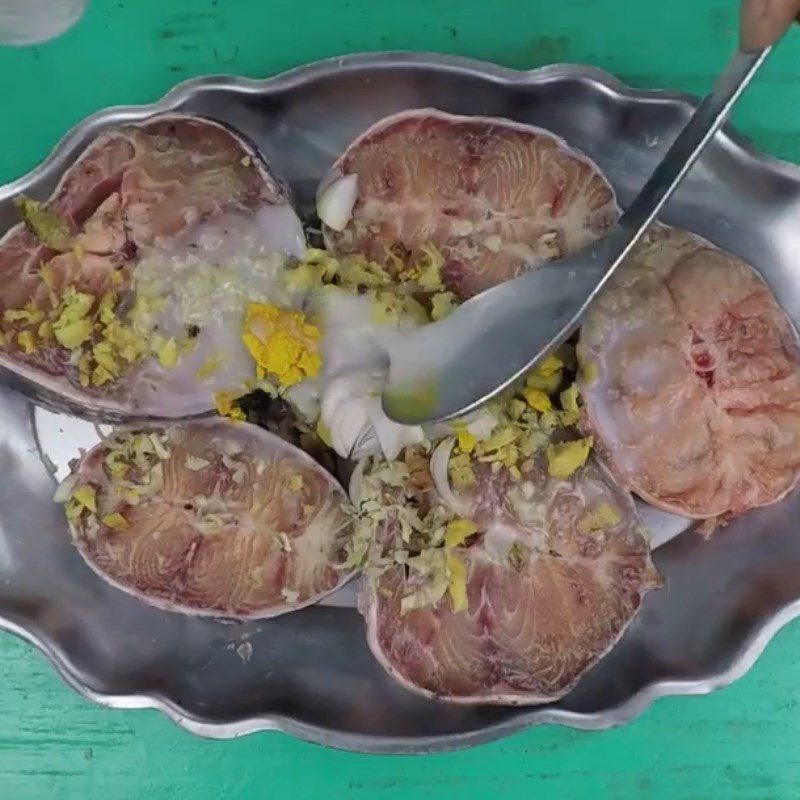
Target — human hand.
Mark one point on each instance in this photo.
(763, 22)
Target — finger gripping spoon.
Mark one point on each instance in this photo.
(448, 368)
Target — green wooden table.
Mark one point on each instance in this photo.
(742, 742)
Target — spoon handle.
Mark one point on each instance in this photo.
(762, 23)
(508, 328)
(684, 151)
(497, 324)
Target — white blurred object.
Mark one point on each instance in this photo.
(31, 21)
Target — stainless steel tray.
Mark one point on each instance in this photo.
(310, 673)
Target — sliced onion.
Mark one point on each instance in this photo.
(335, 202)
(342, 391)
(440, 458)
(280, 230)
(392, 436)
(437, 430)
(64, 489)
(365, 443)
(345, 412)
(351, 410)
(357, 482)
(304, 398)
(481, 423)
(351, 433)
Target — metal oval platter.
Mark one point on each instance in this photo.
(310, 673)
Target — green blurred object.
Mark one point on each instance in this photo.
(742, 743)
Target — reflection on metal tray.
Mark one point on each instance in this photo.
(310, 673)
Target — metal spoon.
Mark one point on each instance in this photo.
(448, 368)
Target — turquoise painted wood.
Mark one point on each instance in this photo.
(740, 743)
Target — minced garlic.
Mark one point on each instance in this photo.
(545, 376)
(571, 412)
(457, 583)
(604, 516)
(166, 352)
(457, 531)
(115, 520)
(442, 305)
(224, 404)
(465, 440)
(83, 498)
(565, 458)
(26, 342)
(537, 399)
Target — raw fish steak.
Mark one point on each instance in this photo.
(493, 196)
(118, 290)
(211, 518)
(691, 378)
(554, 572)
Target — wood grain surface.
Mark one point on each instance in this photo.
(741, 743)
